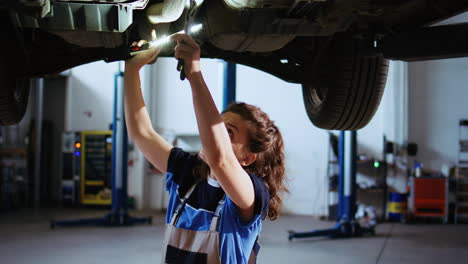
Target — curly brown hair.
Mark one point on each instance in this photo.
(266, 141)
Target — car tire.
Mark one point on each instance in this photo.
(14, 89)
(14, 94)
(347, 85)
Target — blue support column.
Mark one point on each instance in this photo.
(119, 213)
(346, 225)
(114, 186)
(353, 186)
(118, 216)
(229, 85)
(119, 149)
(347, 175)
(341, 172)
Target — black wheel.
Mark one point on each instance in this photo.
(14, 89)
(14, 95)
(347, 87)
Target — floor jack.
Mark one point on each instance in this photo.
(346, 225)
(118, 216)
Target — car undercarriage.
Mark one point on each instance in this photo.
(338, 50)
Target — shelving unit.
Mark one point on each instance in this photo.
(461, 176)
(13, 178)
(379, 190)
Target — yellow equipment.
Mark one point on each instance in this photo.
(95, 150)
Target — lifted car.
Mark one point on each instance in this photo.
(337, 49)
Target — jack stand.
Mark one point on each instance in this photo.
(346, 226)
(342, 229)
(118, 216)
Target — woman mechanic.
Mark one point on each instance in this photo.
(218, 198)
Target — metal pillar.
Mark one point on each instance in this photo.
(385, 174)
(229, 91)
(347, 182)
(39, 87)
(346, 225)
(118, 216)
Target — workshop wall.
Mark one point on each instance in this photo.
(136, 159)
(173, 110)
(90, 96)
(438, 95)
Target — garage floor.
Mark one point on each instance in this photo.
(25, 237)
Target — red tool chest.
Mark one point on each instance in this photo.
(429, 197)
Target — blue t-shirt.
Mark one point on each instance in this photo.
(236, 237)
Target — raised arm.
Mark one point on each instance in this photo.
(217, 148)
(140, 129)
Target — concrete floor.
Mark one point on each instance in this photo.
(25, 237)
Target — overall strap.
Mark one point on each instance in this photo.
(215, 220)
(181, 205)
(254, 253)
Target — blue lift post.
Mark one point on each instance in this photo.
(346, 225)
(118, 216)
(229, 91)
